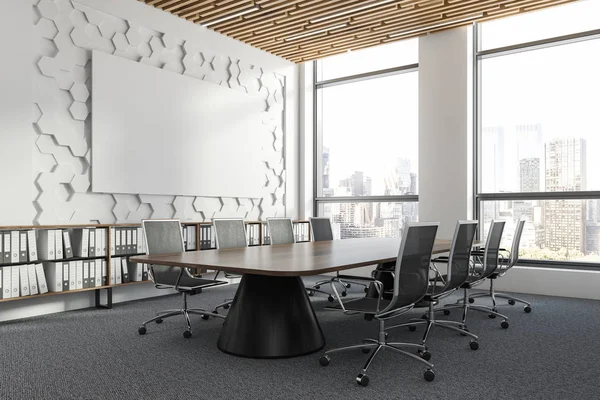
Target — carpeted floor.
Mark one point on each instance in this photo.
(551, 353)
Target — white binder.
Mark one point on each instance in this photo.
(65, 278)
(129, 241)
(118, 278)
(113, 274)
(58, 240)
(135, 272)
(22, 246)
(54, 276)
(140, 235)
(104, 272)
(79, 275)
(46, 244)
(41, 277)
(112, 241)
(92, 250)
(68, 253)
(118, 247)
(6, 283)
(33, 286)
(98, 272)
(15, 274)
(72, 275)
(7, 254)
(24, 274)
(92, 273)
(14, 247)
(124, 271)
(32, 245)
(99, 241)
(86, 275)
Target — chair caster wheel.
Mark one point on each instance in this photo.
(362, 380)
(317, 286)
(159, 321)
(366, 289)
(324, 361)
(492, 316)
(412, 328)
(366, 350)
(446, 312)
(330, 299)
(311, 294)
(205, 317)
(429, 375)
(142, 330)
(344, 293)
(425, 355)
(504, 324)
(348, 285)
(226, 307)
(527, 309)
(474, 345)
(511, 302)
(471, 300)
(187, 334)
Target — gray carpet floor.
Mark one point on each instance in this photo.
(551, 353)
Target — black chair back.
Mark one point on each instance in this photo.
(514, 249)
(491, 254)
(411, 278)
(281, 230)
(321, 229)
(459, 260)
(163, 236)
(230, 233)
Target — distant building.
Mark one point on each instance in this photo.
(529, 174)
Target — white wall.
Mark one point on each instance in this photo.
(16, 132)
(45, 142)
(444, 153)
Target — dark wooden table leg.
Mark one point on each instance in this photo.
(271, 317)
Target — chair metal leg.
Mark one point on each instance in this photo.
(415, 323)
(163, 316)
(411, 355)
(488, 310)
(196, 311)
(454, 328)
(371, 358)
(187, 321)
(167, 311)
(224, 304)
(401, 344)
(515, 299)
(356, 346)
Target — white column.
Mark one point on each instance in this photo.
(445, 158)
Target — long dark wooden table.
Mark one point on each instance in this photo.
(271, 315)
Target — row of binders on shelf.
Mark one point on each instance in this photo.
(127, 241)
(22, 280)
(75, 275)
(124, 271)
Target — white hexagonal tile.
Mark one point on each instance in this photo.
(48, 9)
(107, 28)
(144, 49)
(157, 45)
(47, 66)
(46, 28)
(80, 37)
(208, 205)
(250, 77)
(45, 144)
(175, 67)
(171, 41)
(79, 19)
(80, 183)
(120, 41)
(92, 32)
(80, 92)
(133, 36)
(64, 173)
(64, 79)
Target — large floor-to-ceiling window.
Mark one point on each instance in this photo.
(538, 130)
(366, 140)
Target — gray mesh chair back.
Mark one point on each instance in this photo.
(411, 278)
(514, 249)
(163, 237)
(230, 233)
(459, 260)
(492, 248)
(321, 229)
(281, 230)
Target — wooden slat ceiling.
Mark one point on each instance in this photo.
(305, 30)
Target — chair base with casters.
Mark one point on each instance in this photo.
(465, 305)
(493, 295)
(342, 282)
(377, 345)
(429, 321)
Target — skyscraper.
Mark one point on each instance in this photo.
(529, 174)
(565, 171)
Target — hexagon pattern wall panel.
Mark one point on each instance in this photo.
(66, 34)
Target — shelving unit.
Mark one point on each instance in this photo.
(204, 240)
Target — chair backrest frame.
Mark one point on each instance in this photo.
(459, 259)
(272, 222)
(162, 274)
(315, 225)
(491, 255)
(514, 248)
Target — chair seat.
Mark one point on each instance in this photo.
(368, 305)
(191, 285)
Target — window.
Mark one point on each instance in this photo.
(366, 135)
(538, 129)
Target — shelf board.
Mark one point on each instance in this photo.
(58, 260)
(35, 296)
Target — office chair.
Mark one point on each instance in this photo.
(486, 265)
(505, 264)
(411, 282)
(230, 233)
(281, 231)
(321, 231)
(459, 262)
(162, 237)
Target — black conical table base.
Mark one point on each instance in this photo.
(271, 317)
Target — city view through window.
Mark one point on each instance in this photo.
(540, 130)
(369, 136)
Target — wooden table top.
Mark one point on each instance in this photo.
(300, 259)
